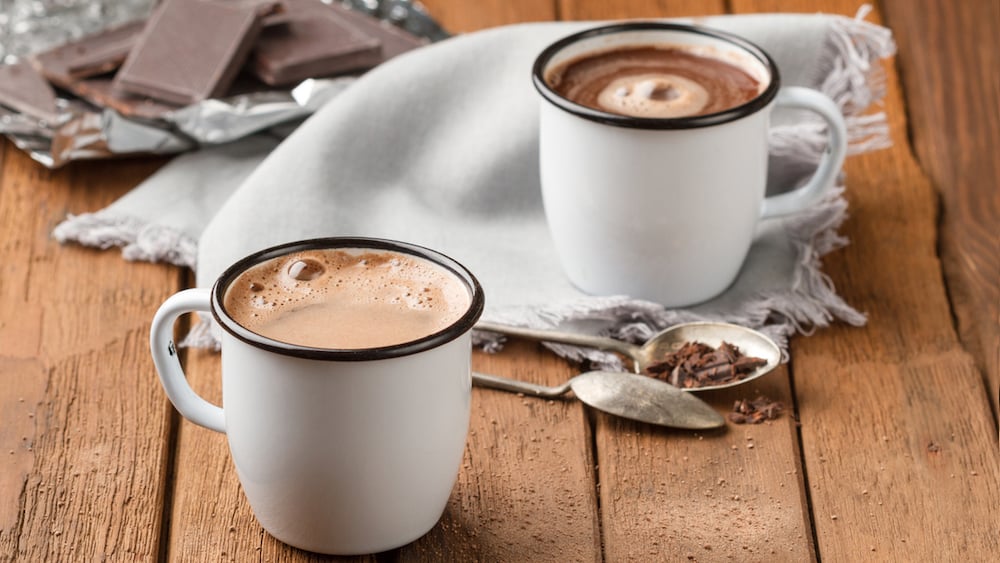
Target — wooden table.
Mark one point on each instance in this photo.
(891, 453)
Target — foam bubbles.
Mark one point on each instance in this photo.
(347, 298)
(305, 269)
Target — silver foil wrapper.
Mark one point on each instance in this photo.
(85, 132)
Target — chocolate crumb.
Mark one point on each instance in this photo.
(755, 411)
(696, 364)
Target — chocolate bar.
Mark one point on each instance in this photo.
(23, 89)
(88, 56)
(192, 50)
(308, 42)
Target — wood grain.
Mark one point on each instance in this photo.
(736, 493)
(881, 405)
(461, 17)
(888, 452)
(83, 424)
(950, 89)
(624, 9)
(526, 491)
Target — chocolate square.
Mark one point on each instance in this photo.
(101, 92)
(79, 66)
(309, 42)
(22, 88)
(92, 55)
(395, 40)
(192, 50)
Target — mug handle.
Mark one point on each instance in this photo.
(829, 163)
(168, 365)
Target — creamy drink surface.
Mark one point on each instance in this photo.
(347, 298)
(653, 81)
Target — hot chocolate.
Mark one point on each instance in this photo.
(347, 298)
(653, 81)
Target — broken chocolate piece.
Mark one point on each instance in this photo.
(100, 92)
(23, 89)
(93, 55)
(696, 364)
(309, 42)
(78, 67)
(395, 40)
(755, 411)
(191, 50)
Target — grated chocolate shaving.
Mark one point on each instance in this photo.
(696, 364)
(755, 411)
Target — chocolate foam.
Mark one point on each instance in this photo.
(653, 95)
(347, 299)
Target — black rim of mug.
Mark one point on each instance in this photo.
(691, 122)
(456, 329)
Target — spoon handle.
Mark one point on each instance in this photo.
(513, 385)
(561, 337)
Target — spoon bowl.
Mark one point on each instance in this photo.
(749, 341)
(628, 395)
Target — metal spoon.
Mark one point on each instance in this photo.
(628, 395)
(751, 342)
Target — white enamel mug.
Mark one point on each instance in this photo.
(338, 451)
(665, 209)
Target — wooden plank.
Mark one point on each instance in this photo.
(736, 493)
(83, 423)
(598, 10)
(897, 434)
(461, 17)
(526, 491)
(874, 402)
(949, 88)
(670, 495)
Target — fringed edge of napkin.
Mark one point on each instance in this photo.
(855, 81)
(138, 240)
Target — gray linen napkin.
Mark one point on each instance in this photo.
(438, 147)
